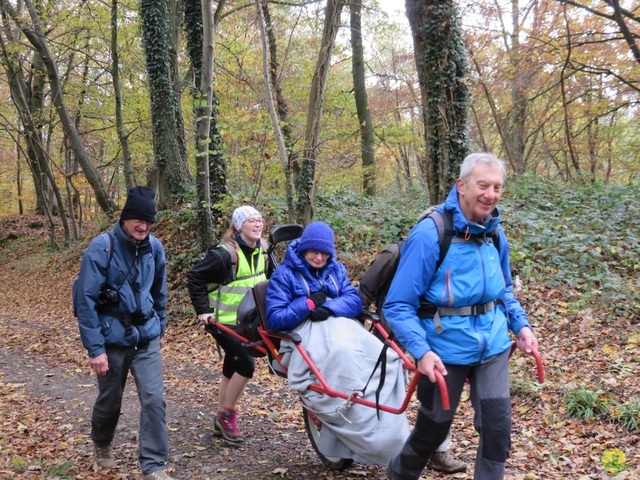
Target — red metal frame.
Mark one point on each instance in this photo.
(268, 347)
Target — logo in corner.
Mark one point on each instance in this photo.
(614, 461)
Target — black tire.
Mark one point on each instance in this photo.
(312, 429)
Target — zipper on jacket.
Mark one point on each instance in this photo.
(135, 331)
(484, 271)
(136, 266)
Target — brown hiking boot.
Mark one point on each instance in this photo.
(445, 462)
(103, 456)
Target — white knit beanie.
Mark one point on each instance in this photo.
(240, 214)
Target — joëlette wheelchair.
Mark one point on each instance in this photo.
(269, 342)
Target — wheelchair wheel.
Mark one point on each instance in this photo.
(313, 426)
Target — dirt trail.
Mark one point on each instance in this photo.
(47, 396)
(47, 391)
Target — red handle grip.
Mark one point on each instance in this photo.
(539, 365)
(536, 355)
(444, 393)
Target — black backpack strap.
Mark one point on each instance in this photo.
(444, 225)
(495, 238)
(382, 363)
(233, 253)
(110, 253)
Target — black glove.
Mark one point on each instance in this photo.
(320, 314)
(318, 298)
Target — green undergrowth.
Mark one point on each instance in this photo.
(588, 405)
(581, 239)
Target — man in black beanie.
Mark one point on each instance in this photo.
(120, 298)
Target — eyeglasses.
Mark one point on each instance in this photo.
(255, 221)
(315, 253)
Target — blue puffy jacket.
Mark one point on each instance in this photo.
(471, 274)
(140, 272)
(287, 292)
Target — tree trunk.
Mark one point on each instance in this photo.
(171, 176)
(305, 178)
(36, 36)
(518, 114)
(442, 69)
(573, 156)
(19, 181)
(26, 100)
(127, 161)
(282, 112)
(211, 185)
(362, 103)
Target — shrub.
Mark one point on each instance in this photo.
(585, 404)
(628, 414)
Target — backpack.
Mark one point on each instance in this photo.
(251, 314)
(376, 281)
(74, 286)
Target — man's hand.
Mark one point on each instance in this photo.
(205, 318)
(100, 364)
(429, 362)
(526, 340)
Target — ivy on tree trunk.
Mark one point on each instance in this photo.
(172, 178)
(442, 67)
(362, 102)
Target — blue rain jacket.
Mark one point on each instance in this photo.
(140, 273)
(471, 274)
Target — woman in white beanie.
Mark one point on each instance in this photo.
(217, 284)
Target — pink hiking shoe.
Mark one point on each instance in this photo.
(226, 425)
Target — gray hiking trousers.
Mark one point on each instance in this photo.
(489, 382)
(146, 368)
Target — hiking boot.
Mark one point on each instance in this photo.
(226, 424)
(390, 474)
(103, 456)
(445, 462)
(157, 475)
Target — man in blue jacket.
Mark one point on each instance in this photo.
(120, 299)
(457, 319)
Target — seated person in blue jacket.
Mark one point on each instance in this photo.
(312, 284)
(311, 294)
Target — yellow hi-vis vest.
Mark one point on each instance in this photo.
(225, 298)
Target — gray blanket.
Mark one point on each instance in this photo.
(345, 353)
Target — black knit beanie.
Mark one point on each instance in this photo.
(140, 205)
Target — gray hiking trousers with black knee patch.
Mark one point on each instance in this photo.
(490, 397)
